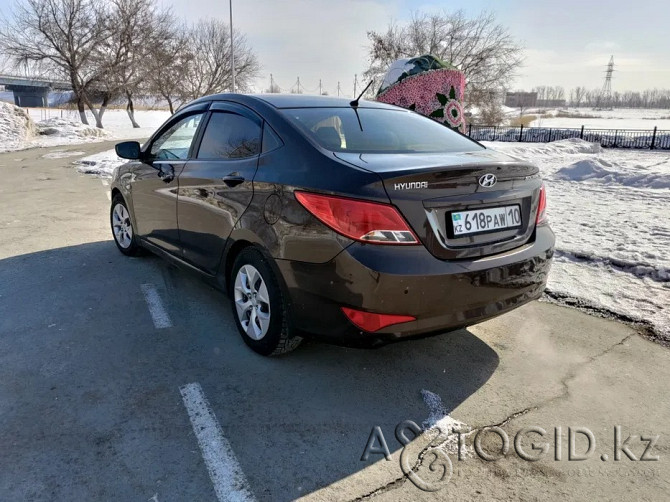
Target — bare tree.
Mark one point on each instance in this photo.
(140, 30)
(559, 92)
(480, 47)
(61, 36)
(490, 110)
(166, 68)
(577, 95)
(524, 102)
(209, 64)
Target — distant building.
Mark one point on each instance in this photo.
(521, 99)
(551, 103)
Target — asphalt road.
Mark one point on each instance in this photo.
(125, 379)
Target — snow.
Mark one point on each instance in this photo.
(65, 131)
(47, 127)
(115, 122)
(599, 170)
(16, 127)
(102, 164)
(609, 210)
(622, 118)
(61, 154)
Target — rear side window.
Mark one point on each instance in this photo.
(230, 136)
(378, 130)
(270, 139)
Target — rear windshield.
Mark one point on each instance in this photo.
(383, 131)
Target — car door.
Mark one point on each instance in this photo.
(154, 183)
(216, 186)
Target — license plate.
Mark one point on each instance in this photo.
(491, 219)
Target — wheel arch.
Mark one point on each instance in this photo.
(242, 239)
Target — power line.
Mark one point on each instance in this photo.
(298, 87)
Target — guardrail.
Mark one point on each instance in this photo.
(608, 138)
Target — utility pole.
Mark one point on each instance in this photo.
(320, 93)
(272, 83)
(299, 86)
(232, 46)
(338, 88)
(355, 83)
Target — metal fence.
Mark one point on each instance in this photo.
(608, 138)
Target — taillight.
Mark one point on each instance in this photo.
(542, 207)
(359, 220)
(371, 322)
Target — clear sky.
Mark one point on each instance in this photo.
(566, 42)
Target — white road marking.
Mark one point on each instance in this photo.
(158, 313)
(230, 483)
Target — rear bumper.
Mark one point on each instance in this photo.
(441, 295)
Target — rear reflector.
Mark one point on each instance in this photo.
(542, 207)
(359, 220)
(368, 321)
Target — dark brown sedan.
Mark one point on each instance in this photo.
(356, 222)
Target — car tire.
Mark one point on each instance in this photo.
(122, 227)
(259, 305)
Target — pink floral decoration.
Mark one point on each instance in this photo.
(454, 113)
(421, 91)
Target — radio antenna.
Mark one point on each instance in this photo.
(354, 103)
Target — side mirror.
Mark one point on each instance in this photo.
(128, 150)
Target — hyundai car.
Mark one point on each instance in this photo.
(357, 222)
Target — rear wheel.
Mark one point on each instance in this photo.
(259, 307)
(122, 227)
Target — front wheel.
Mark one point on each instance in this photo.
(259, 307)
(122, 227)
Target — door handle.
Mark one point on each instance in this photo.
(232, 180)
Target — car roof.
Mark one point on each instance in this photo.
(295, 100)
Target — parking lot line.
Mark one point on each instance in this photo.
(230, 483)
(158, 313)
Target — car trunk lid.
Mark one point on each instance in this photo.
(429, 188)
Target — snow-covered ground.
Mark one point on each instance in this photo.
(610, 211)
(115, 122)
(605, 119)
(39, 127)
(102, 164)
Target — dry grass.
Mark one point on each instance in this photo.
(576, 115)
(524, 120)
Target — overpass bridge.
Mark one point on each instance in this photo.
(32, 92)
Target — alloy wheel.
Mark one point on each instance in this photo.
(252, 302)
(121, 226)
